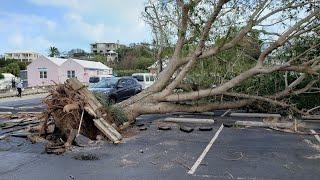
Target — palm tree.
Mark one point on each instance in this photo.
(53, 51)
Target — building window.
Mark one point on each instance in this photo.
(43, 74)
(71, 74)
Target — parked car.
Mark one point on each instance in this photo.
(117, 88)
(145, 79)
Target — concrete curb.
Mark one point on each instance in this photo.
(27, 94)
(21, 108)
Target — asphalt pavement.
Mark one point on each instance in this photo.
(25, 103)
(237, 153)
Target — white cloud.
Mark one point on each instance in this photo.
(26, 20)
(16, 39)
(64, 3)
(89, 31)
(72, 24)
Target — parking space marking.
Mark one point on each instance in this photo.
(197, 163)
(316, 135)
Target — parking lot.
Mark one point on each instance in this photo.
(237, 153)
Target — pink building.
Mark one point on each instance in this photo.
(47, 70)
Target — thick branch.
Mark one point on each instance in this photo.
(265, 99)
(198, 51)
(166, 107)
(284, 38)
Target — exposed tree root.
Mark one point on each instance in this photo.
(65, 105)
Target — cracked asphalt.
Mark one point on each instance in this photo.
(238, 153)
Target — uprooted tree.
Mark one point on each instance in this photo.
(203, 29)
(271, 40)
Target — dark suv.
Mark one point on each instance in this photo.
(117, 88)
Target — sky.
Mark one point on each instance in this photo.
(35, 25)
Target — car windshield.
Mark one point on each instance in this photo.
(106, 83)
(93, 79)
(138, 77)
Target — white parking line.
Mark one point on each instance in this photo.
(197, 163)
(316, 135)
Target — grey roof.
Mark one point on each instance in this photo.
(91, 64)
(57, 61)
(83, 63)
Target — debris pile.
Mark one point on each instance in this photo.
(74, 110)
(19, 125)
(72, 113)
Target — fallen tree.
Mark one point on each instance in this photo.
(199, 24)
(202, 29)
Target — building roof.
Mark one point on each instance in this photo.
(20, 52)
(57, 61)
(83, 63)
(8, 75)
(103, 43)
(91, 64)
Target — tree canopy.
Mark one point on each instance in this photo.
(239, 45)
(53, 51)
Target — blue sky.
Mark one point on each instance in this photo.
(36, 25)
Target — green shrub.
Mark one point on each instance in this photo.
(116, 113)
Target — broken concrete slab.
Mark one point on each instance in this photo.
(265, 124)
(165, 128)
(189, 120)
(82, 140)
(255, 115)
(311, 117)
(205, 128)
(143, 128)
(139, 124)
(186, 129)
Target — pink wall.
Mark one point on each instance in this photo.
(34, 72)
(71, 65)
(57, 73)
(89, 73)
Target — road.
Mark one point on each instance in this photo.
(237, 153)
(31, 102)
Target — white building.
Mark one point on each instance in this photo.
(106, 49)
(23, 56)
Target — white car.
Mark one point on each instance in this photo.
(145, 79)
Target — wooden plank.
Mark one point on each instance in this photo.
(264, 124)
(189, 120)
(255, 115)
(316, 135)
(92, 102)
(106, 130)
(111, 129)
